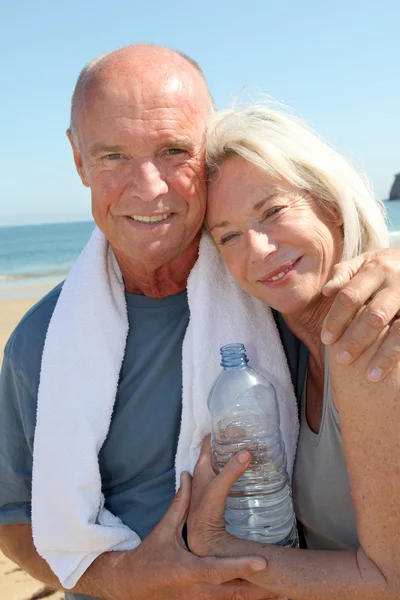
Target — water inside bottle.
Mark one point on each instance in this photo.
(259, 506)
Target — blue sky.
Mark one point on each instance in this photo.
(336, 64)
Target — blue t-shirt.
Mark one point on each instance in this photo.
(137, 458)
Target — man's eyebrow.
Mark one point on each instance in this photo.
(184, 142)
(100, 148)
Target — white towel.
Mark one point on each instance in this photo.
(81, 361)
(221, 313)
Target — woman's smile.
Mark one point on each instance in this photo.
(281, 274)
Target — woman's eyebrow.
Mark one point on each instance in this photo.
(222, 224)
(265, 199)
(256, 207)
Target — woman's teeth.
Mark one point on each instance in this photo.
(154, 219)
(280, 275)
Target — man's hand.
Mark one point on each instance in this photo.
(367, 300)
(206, 520)
(162, 568)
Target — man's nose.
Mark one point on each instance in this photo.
(147, 182)
(259, 246)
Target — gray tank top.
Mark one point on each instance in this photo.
(321, 489)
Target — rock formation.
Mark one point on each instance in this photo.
(395, 191)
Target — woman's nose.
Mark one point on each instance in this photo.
(260, 246)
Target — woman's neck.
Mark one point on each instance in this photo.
(307, 327)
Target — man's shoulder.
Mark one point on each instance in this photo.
(25, 345)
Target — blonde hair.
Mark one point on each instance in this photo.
(283, 147)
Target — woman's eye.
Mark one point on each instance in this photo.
(228, 238)
(272, 211)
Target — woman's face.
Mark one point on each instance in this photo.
(279, 244)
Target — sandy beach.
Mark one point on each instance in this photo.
(15, 584)
(11, 312)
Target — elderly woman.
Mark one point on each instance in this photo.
(283, 208)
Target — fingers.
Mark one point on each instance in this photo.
(176, 515)
(221, 570)
(366, 327)
(244, 590)
(388, 354)
(352, 297)
(213, 490)
(234, 468)
(204, 473)
(206, 444)
(206, 521)
(367, 303)
(342, 274)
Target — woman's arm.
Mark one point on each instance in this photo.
(370, 427)
(370, 423)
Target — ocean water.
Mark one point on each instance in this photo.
(35, 254)
(393, 216)
(31, 255)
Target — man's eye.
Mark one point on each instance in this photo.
(174, 151)
(113, 156)
(227, 238)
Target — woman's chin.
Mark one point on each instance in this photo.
(290, 303)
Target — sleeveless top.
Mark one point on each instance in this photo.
(321, 487)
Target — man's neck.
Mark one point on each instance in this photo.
(165, 280)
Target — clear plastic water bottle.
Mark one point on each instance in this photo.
(245, 416)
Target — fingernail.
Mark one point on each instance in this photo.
(243, 457)
(344, 357)
(258, 564)
(375, 374)
(327, 337)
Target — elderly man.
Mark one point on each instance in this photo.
(137, 132)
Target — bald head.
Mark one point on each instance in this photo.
(145, 65)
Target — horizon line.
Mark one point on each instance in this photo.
(66, 222)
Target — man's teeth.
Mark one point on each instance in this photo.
(280, 275)
(153, 219)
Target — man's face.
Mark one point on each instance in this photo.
(141, 152)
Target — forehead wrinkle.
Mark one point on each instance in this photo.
(106, 102)
(139, 96)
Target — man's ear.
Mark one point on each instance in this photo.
(77, 158)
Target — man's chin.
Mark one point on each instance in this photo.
(151, 255)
